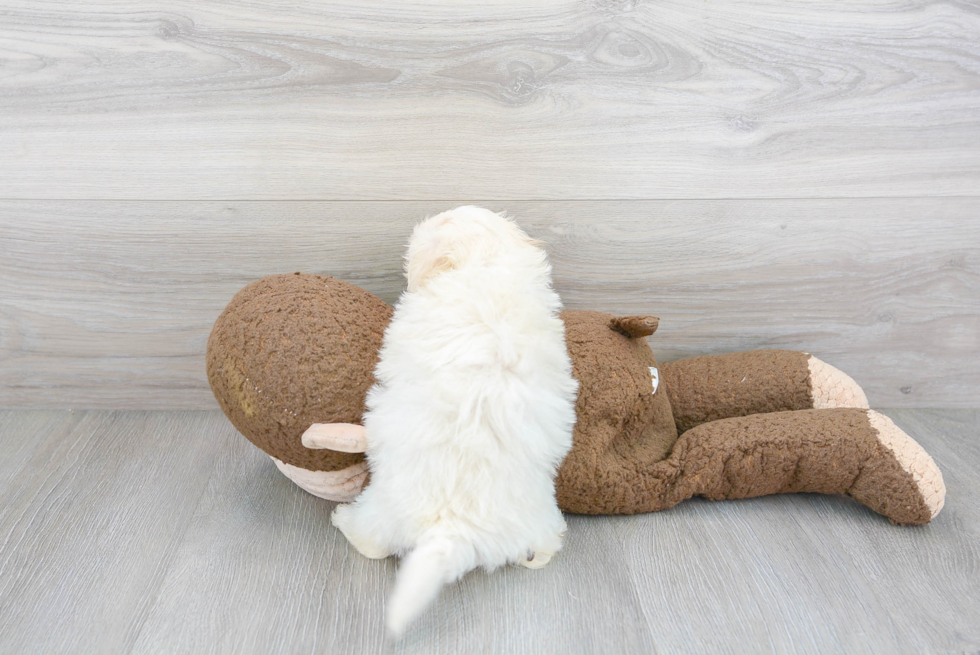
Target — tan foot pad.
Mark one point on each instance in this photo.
(913, 460)
(342, 486)
(831, 387)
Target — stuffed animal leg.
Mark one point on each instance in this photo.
(857, 452)
(896, 477)
(727, 426)
(713, 387)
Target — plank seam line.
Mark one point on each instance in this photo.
(489, 200)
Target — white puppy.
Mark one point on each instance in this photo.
(471, 415)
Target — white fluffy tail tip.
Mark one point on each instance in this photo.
(396, 625)
(400, 613)
(436, 561)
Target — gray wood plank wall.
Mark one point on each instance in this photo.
(502, 99)
(109, 304)
(794, 174)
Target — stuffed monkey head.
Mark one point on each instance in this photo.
(292, 350)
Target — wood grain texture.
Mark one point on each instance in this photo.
(109, 304)
(89, 522)
(289, 582)
(150, 532)
(817, 574)
(561, 99)
(28, 431)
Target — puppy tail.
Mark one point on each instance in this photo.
(439, 558)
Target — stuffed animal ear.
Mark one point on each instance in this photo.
(635, 327)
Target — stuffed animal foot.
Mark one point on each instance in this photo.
(832, 387)
(914, 461)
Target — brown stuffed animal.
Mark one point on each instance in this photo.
(294, 351)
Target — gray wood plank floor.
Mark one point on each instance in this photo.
(151, 532)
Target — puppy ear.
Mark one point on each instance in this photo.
(523, 238)
(427, 261)
(534, 243)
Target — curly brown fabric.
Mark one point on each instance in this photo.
(827, 451)
(622, 425)
(292, 350)
(713, 387)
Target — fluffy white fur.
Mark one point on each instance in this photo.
(471, 415)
